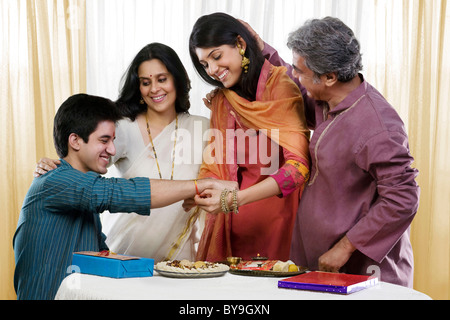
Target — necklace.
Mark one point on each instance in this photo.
(154, 150)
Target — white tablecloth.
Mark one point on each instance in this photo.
(227, 287)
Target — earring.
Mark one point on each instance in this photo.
(142, 101)
(245, 60)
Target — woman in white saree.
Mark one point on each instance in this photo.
(160, 140)
(154, 236)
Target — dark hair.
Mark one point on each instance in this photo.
(219, 29)
(130, 94)
(81, 114)
(328, 45)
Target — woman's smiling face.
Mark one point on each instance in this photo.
(157, 86)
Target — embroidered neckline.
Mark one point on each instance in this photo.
(316, 173)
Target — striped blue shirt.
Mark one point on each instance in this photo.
(59, 216)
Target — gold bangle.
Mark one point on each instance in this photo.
(224, 201)
(235, 204)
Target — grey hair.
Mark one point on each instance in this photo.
(328, 46)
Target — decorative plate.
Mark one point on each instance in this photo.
(262, 273)
(173, 274)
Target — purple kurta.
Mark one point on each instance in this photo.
(361, 185)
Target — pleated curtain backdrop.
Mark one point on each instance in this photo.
(43, 61)
(52, 49)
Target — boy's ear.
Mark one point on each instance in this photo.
(74, 141)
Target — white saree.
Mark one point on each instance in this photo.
(167, 232)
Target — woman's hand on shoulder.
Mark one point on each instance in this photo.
(255, 35)
(45, 165)
(209, 96)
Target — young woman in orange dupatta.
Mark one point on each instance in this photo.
(259, 138)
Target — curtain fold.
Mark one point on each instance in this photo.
(43, 61)
(429, 132)
(47, 55)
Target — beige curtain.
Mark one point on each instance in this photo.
(43, 62)
(409, 62)
(428, 96)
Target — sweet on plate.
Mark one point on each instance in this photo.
(187, 266)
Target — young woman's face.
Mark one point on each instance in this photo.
(157, 86)
(221, 63)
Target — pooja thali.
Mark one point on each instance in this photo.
(267, 268)
(268, 273)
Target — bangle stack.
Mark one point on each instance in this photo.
(224, 201)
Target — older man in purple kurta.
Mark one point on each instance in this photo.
(361, 186)
(356, 211)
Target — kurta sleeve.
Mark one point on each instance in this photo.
(90, 192)
(293, 174)
(385, 156)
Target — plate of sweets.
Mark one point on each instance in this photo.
(190, 269)
(266, 268)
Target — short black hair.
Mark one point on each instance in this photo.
(81, 114)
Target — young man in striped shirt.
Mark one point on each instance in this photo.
(60, 213)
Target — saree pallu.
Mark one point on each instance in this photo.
(263, 227)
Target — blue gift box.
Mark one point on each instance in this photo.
(112, 265)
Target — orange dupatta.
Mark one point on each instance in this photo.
(278, 106)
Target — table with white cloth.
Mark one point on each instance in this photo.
(79, 286)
